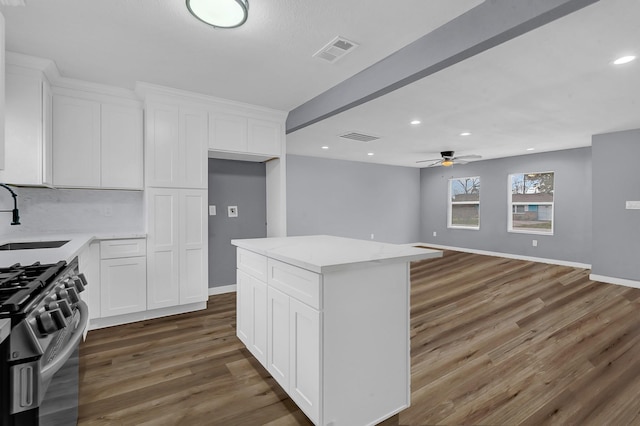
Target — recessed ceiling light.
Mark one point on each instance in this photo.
(465, 134)
(414, 122)
(624, 60)
(530, 149)
(325, 147)
(369, 153)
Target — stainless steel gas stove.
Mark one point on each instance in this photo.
(39, 358)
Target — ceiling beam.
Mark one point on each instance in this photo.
(485, 26)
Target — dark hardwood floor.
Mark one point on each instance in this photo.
(494, 342)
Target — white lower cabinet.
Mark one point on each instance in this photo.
(304, 358)
(252, 327)
(123, 277)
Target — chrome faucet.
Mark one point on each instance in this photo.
(16, 216)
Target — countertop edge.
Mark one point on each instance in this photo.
(339, 266)
(77, 243)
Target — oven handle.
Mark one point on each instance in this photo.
(52, 368)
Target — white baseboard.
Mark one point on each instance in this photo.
(222, 289)
(614, 280)
(97, 323)
(508, 255)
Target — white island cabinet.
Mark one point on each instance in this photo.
(328, 317)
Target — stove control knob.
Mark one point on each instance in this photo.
(81, 281)
(73, 295)
(63, 305)
(75, 283)
(51, 321)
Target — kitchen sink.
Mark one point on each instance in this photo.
(30, 245)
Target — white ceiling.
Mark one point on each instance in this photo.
(549, 89)
(267, 62)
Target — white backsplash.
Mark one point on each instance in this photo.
(44, 210)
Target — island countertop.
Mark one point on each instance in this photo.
(324, 253)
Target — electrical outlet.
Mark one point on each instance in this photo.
(232, 211)
(372, 236)
(534, 243)
(435, 234)
(212, 210)
(108, 211)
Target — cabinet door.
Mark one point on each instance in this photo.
(193, 148)
(89, 265)
(123, 288)
(244, 308)
(278, 341)
(121, 147)
(161, 141)
(76, 142)
(264, 137)
(193, 234)
(304, 382)
(24, 145)
(162, 248)
(252, 315)
(227, 132)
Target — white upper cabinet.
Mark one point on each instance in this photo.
(176, 147)
(227, 132)
(264, 137)
(246, 135)
(76, 147)
(2, 78)
(96, 143)
(28, 150)
(121, 148)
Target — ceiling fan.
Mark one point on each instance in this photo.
(448, 159)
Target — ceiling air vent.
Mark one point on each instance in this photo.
(355, 136)
(335, 49)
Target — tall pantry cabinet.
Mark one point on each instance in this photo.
(176, 203)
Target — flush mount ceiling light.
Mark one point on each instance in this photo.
(415, 122)
(465, 134)
(624, 60)
(220, 13)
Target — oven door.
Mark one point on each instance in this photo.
(60, 379)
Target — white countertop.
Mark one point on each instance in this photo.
(324, 253)
(77, 242)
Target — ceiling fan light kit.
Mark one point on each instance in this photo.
(448, 159)
(220, 13)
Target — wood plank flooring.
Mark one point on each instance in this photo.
(493, 342)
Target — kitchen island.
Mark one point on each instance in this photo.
(328, 317)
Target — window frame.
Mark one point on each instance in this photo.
(451, 203)
(526, 205)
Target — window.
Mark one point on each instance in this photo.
(531, 203)
(464, 203)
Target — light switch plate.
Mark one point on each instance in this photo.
(233, 211)
(633, 205)
(212, 210)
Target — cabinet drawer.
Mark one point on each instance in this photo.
(296, 282)
(252, 263)
(111, 249)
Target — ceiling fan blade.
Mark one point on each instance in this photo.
(456, 161)
(432, 159)
(467, 157)
(437, 163)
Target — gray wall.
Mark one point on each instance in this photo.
(616, 231)
(73, 210)
(572, 204)
(352, 199)
(234, 183)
